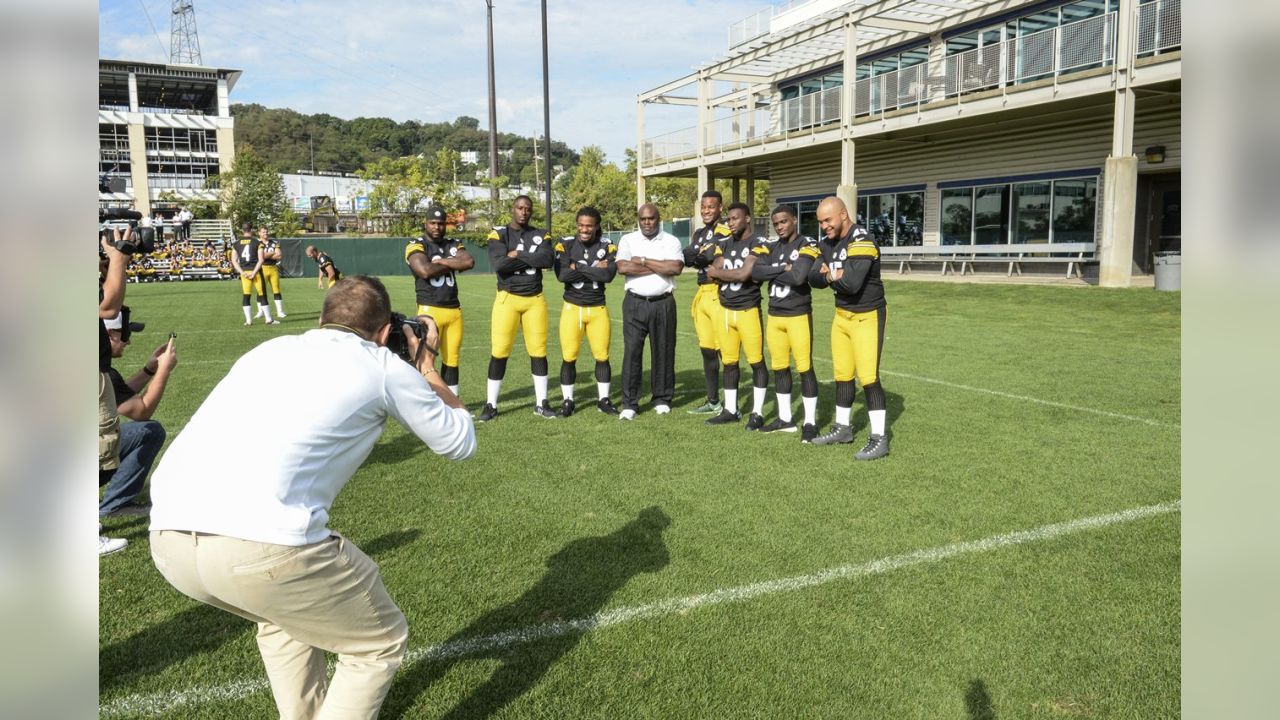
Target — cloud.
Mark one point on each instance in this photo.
(406, 59)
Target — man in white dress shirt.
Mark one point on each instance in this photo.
(244, 528)
(649, 259)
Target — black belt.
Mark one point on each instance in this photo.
(647, 298)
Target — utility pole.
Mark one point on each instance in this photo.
(493, 123)
(311, 143)
(537, 183)
(546, 113)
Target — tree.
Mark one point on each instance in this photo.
(601, 185)
(406, 186)
(253, 193)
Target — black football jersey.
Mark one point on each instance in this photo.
(584, 286)
(441, 290)
(860, 288)
(746, 294)
(789, 291)
(701, 248)
(247, 252)
(522, 274)
(269, 247)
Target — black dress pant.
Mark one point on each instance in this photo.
(654, 318)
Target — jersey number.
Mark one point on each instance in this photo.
(442, 280)
(779, 291)
(244, 254)
(579, 285)
(734, 265)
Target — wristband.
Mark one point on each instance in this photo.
(147, 371)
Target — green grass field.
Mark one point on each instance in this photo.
(1010, 408)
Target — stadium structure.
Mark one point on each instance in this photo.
(947, 124)
(162, 129)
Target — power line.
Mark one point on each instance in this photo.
(163, 51)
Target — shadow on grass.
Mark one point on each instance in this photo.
(194, 631)
(384, 544)
(977, 702)
(580, 579)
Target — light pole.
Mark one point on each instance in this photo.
(546, 115)
(493, 123)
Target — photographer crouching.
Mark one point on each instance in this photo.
(240, 524)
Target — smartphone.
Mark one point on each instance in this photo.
(172, 336)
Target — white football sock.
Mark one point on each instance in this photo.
(602, 390)
(265, 311)
(454, 389)
(539, 388)
(843, 414)
(784, 407)
(810, 410)
(566, 392)
(280, 307)
(877, 421)
(495, 387)
(758, 395)
(247, 316)
(731, 400)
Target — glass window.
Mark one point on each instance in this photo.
(991, 215)
(1031, 212)
(962, 43)
(884, 65)
(918, 56)
(862, 212)
(910, 222)
(1083, 9)
(880, 218)
(807, 215)
(957, 216)
(790, 92)
(1074, 210)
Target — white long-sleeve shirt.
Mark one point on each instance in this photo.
(227, 474)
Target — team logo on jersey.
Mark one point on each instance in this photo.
(843, 254)
(537, 239)
(795, 254)
(453, 251)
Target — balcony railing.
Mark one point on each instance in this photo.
(1159, 27)
(757, 24)
(1050, 53)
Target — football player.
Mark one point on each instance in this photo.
(519, 252)
(706, 302)
(272, 254)
(435, 260)
(247, 253)
(789, 329)
(851, 267)
(328, 272)
(585, 263)
(739, 321)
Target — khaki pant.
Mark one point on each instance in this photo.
(306, 600)
(108, 425)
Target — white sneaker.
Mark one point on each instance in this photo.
(662, 409)
(280, 315)
(107, 545)
(627, 415)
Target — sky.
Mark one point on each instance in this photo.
(426, 60)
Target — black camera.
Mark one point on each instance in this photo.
(127, 326)
(398, 343)
(142, 239)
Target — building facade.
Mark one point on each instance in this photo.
(948, 122)
(163, 130)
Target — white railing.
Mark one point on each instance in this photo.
(669, 146)
(750, 27)
(744, 127)
(810, 110)
(1159, 27)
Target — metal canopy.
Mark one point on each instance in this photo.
(819, 40)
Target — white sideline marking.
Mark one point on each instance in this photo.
(1027, 398)
(155, 704)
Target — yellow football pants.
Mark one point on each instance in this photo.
(575, 321)
(856, 341)
(510, 312)
(449, 321)
(706, 314)
(787, 336)
(740, 326)
(271, 278)
(248, 287)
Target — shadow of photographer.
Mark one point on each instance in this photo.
(579, 581)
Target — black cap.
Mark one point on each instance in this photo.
(435, 213)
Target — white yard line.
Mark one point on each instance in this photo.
(165, 703)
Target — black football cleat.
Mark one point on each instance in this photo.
(808, 433)
(754, 422)
(487, 413)
(724, 418)
(605, 405)
(877, 447)
(837, 435)
(544, 411)
(567, 408)
(779, 425)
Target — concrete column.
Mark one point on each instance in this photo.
(737, 189)
(226, 148)
(705, 183)
(937, 74)
(133, 92)
(224, 103)
(1120, 182)
(847, 190)
(138, 168)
